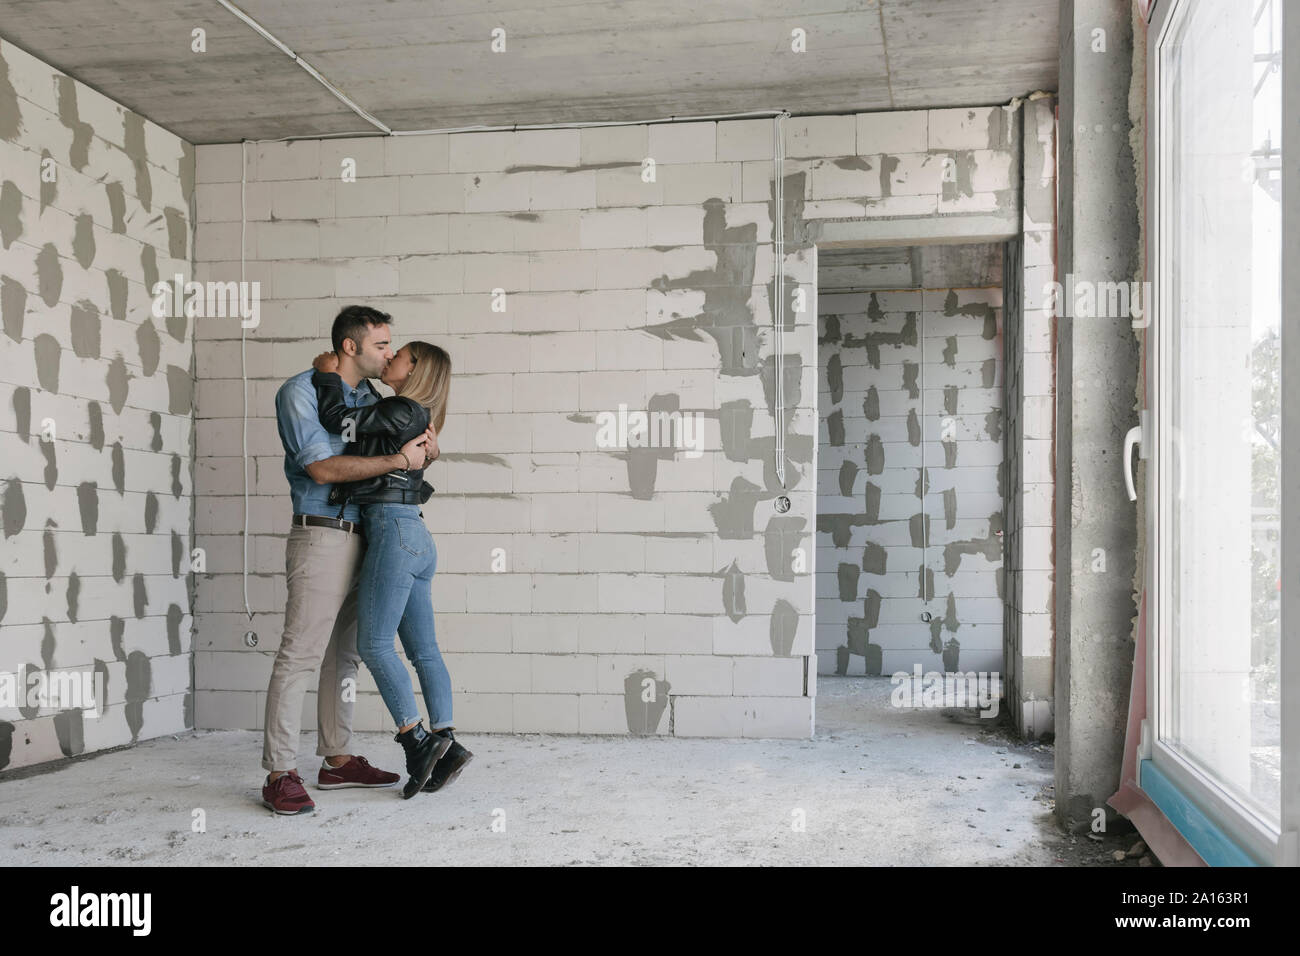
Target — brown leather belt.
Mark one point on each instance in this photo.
(319, 522)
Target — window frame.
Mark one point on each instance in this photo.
(1257, 837)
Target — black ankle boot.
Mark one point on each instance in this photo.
(422, 751)
(451, 764)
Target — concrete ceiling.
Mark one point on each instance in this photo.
(416, 64)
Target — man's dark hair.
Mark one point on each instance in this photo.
(352, 323)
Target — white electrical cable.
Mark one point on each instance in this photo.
(243, 357)
(778, 310)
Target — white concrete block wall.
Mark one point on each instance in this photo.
(911, 386)
(95, 432)
(646, 564)
(1029, 632)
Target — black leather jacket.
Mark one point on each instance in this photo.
(378, 429)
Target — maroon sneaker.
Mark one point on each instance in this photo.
(357, 772)
(287, 795)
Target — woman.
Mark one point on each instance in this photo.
(397, 571)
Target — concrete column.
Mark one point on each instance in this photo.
(1097, 369)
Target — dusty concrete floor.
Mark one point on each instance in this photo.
(878, 786)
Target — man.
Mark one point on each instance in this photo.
(323, 561)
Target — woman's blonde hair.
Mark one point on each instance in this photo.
(430, 380)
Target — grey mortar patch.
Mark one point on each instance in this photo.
(874, 312)
(871, 405)
(48, 356)
(150, 512)
(831, 322)
(4, 596)
(85, 329)
(949, 454)
(11, 213)
(117, 206)
(11, 117)
(155, 422)
(119, 467)
(783, 534)
(858, 163)
(913, 428)
(733, 591)
(951, 655)
(79, 151)
(117, 294)
(51, 464)
(643, 462)
(848, 475)
(13, 307)
(993, 424)
(643, 716)
(871, 607)
(83, 240)
(48, 643)
(783, 628)
(835, 378)
(847, 576)
(988, 372)
(177, 487)
(524, 216)
(176, 232)
(581, 419)
(873, 341)
(22, 402)
(70, 731)
(149, 265)
(734, 514)
(874, 558)
(180, 390)
(727, 288)
(887, 166)
(936, 637)
(88, 505)
(874, 455)
(187, 170)
(118, 380)
(925, 582)
(149, 345)
(950, 351)
(188, 708)
(950, 508)
(178, 554)
(835, 428)
(50, 550)
(922, 487)
(950, 399)
(73, 595)
(49, 188)
(960, 185)
(871, 504)
(174, 615)
(839, 526)
(918, 527)
(910, 371)
(139, 681)
(96, 415)
(49, 275)
(139, 596)
(735, 421)
(119, 557)
(116, 630)
(990, 547)
(134, 144)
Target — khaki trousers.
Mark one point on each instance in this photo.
(320, 631)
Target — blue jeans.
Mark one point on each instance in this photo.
(393, 597)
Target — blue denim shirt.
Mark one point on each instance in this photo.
(305, 440)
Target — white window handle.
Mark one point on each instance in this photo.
(1134, 436)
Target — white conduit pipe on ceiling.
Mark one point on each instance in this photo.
(778, 226)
